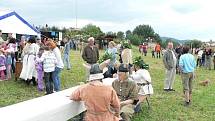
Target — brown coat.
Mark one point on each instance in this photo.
(99, 100)
(90, 55)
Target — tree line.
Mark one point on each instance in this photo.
(141, 34)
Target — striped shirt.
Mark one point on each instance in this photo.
(49, 61)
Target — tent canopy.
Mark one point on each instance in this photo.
(11, 22)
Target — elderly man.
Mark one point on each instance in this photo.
(90, 54)
(126, 91)
(170, 61)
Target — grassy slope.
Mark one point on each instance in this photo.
(165, 106)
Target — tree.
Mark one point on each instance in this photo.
(127, 33)
(144, 31)
(165, 43)
(120, 35)
(54, 28)
(194, 43)
(157, 38)
(135, 39)
(92, 30)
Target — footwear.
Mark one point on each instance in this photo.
(166, 90)
(186, 104)
(28, 82)
(171, 89)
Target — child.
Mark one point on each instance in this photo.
(8, 64)
(39, 68)
(2, 64)
(49, 61)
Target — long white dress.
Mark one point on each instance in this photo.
(28, 69)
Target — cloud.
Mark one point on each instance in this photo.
(183, 19)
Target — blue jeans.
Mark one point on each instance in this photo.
(56, 79)
(66, 61)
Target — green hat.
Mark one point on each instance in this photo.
(138, 61)
(126, 44)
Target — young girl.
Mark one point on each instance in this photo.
(49, 61)
(2, 64)
(8, 64)
(39, 68)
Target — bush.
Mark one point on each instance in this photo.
(135, 39)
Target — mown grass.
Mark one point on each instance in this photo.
(165, 106)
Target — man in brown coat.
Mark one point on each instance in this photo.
(90, 54)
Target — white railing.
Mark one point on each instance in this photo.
(53, 107)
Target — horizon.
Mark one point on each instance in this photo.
(183, 20)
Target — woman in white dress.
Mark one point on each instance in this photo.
(28, 70)
(143, 79)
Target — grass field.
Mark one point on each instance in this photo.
(165, 106)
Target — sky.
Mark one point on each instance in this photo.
(181, 19)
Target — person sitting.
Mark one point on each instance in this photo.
(142, 77)
(101, 101)
(126, 91)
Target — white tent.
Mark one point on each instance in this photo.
(11, 22)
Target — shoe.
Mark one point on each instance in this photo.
(171, 89)
(186, 104)
(166, 90)
(28, 82)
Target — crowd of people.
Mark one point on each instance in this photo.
(131, 86)
(8, 53)
(42, 64)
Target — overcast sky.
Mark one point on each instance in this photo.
(181, 19)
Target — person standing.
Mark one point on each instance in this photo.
(49, 61)
(214, 60)
(208, 54)
(126, 91)
(39, 68)
(158, 50)
(187, 65)
(30, 51)
(90, 54)
(199, 58)
(2, 65)
(66, 52)
(144, 49)
(59, 65)
(170, 62)
(101, 101)
(1, 40)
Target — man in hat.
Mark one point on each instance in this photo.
(126, 91)
(101, 101)
(90, 54)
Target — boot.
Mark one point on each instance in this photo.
(28, 82)
(34, 81)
